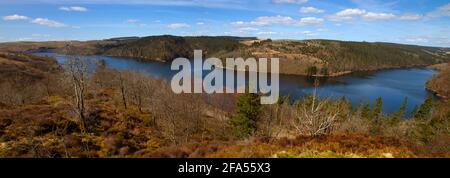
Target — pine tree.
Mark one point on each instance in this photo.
(378, 110)
(415, 111)
(425, 110)
(248, 107)
(377, 117)
(401, 113)
(366, 111)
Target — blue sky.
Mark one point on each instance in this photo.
(422, 22)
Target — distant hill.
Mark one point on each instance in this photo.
(123, 38)
(299, 57)
(166, 48)
(329, 57)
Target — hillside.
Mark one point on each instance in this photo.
(326, 57)
(24, 78)
(166, 48)
(308, 57)
(130, 114)
(25, 67)
(440, 83)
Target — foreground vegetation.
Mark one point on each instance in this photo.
(78, 112)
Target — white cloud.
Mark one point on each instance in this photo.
(15, 17)
(47, 22)
(311, 10)
(311, 21)
(200, 23)
(347, 14)
(267, 33)
(351, 14)
(74, 8)
(238, 23)
(132, 21)
(378, 16)
(247, 29)
(439, 40)
(269, 20)
(417, 40)
(39, 21)
(411, 17)
(280, 20)
(440, 11)
(40, 35)
(289, 1)
(309, 33)
(178, 25)
(24, 39)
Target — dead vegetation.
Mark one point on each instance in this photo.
(76, 112)
(440, 84)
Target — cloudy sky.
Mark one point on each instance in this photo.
(422, 22)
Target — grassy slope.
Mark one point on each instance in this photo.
(25, 67)
(440, 84)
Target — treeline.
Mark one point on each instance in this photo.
(167, 48)
(328, 56)
(341, 56)
(311, 116)
(357, 56)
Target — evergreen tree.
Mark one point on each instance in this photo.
(247, 112)
(311, 71)
(401, 113)
(415, 111)
(425, 110)
(377, 117)
(366, 111)
(378, 110)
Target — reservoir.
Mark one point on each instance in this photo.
(393, 85)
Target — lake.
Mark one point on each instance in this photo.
(392, 85)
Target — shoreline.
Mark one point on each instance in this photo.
(344, 73)
(440, 68)
(336, 74)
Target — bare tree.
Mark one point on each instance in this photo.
(77, 72)
(316, 117)
(123, 88)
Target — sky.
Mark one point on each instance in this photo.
(419, 22)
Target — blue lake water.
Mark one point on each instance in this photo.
(392, 85)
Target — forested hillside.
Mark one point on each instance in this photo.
(326, 57)
(167, 48)
(308, 57)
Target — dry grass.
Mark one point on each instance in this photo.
(332, 146)
(440, 84)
